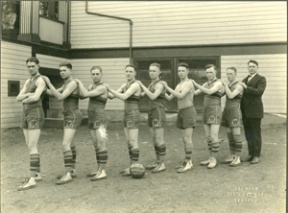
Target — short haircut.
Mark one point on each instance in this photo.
(131, 65)
(32, 59)
(253, 61)
(232, 68)
(96, 68)
(66, 64)
(208, 66)
(182, 64)
(156, 65)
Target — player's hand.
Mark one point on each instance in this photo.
(107, 86)
(243, 85)
(29, 94)
(77, 81)
(164, 83)
(47, 80)
(139, 82)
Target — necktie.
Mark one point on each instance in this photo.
(249, 78)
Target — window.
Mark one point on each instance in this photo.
(49, 9)
(10, 12)
(13, 88)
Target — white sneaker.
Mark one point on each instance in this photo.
(28, 184)
(235, 162)
(73, 173)
(126, 172)
(188, 166)
(99, 175)
(212, 164)
(64, 179)
(229, 159)
(205, 162)
(159, 168)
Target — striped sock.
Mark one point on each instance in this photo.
(162, 152)
(130, 152)
(231, 143)
(135, 154)
(103, 156)
(97, 156)
(74, 155)
(215, 146)
(188, 153)
(34, 162)
(156, 152)
(68, 158)
(238, 144)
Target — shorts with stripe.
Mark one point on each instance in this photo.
(97, 118)
(232, 117)
(131, 119)
(156, 117)
(186, 118)
(72, 119)
(212, 114)
(32, 118)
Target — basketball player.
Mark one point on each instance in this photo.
(187, 116)
(130, 93)
(156, 116)
(32, 119)
(213, 91)
(97, 119)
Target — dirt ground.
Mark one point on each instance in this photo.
(247, 188)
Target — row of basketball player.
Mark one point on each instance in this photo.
(252, 88)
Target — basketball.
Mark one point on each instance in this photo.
(137, 170)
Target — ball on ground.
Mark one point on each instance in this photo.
(137, 170)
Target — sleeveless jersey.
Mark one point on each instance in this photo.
(213, 99)
(72, 101)
(31, 87)
(133, 101)
(237, 99)
(160, 100)
(96, 102)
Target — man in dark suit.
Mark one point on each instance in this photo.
(252, 110)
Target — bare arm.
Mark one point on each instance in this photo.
(210, 91)
(91, 93)
(22, 94)
(41, 86)
(123, 96)
(188, 87)
(65, 93)
(233, 94)
(158, 90)
(169, 97)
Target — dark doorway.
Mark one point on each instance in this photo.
(56, 80)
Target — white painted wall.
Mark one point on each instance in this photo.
(273, 67)
(169, 23)
(13, 67)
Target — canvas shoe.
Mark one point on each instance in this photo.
(159, 168)
(235, 162)
(126, 172)
(205, 162)
(188, 166)
(151, 166)
(64, 179)
(99, 175)
(28, 184)
(212, 164)
(229, 159)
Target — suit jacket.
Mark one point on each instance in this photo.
(251, 103)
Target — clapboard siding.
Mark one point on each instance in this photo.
(13, 67)
(113, 74)
(273, 67)
(52, 62)
(177, 23)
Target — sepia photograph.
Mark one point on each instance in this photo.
(143, 106)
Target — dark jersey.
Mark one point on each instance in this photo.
(160, 100)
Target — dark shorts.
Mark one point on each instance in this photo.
(32, 118)
(212, 114)
(131, 119)
(186, 118)
(232, 117)
(157, 117)
(96, 118)
(72, 119)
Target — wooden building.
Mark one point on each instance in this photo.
(111, 34)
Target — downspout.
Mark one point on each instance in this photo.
(119, 18)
